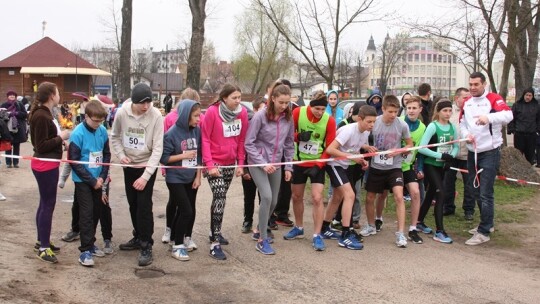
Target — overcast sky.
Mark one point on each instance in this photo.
(156, 23)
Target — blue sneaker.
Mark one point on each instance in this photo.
(86, 259)
(95, 251)
(217, 253)
(349, 241)
(180, 253)
(330, 234)
(318, 243)
(294, 233)
(441, 236)
(264, 247)
(425, 229)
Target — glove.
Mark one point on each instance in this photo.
(447, 157)
(304, 136)
(313, 171)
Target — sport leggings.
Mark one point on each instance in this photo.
(434, 178)
(219, 186)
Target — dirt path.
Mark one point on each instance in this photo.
(381, 273)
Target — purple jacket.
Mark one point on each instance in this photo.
(267, 141)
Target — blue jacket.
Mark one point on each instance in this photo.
(179, 138)
(338, 116)
(87, 144)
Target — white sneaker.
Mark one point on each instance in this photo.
(180, 253)
(368, 230)
(166, 236)
(2, 198)
(190, 244)
(475, 230)
(477, 239)
(401, 240)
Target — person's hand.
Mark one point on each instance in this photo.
(359, 160)
(269, 169)
(482, 120)
(239, 172)
(104, 198)
(196, 183)
(99, 183)
(304, 136)
(313, 171)
(214, 172)
(246, 176)
(447, 157)
(140, 184)
(419, 175)
(190, 154)
(125, 160)
(470, 138)
(288, 176)
(364, 164)
(370, 149)
(65, 134)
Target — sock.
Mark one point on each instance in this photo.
(411, 228)
(345, 229)
(379, 218)
(42, 249)
(315, 235)
(325, 224)
(301, 228)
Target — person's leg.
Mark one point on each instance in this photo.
(414, 192)
(520, 142)
(17, 152)
(184, 214)
(84, 195)
(439, 196)
(468, 195)
(318, 206)
(220, 186)
(9, 160)
(250, 191)
(380, 203)
(145, 216)
(75, 214)
(489, 162)
(170, 212)
(530, 145)
(47, 184)
(400, 207)
(298, 203)
(192, 196)
(105, 220)
(284, 198)
(430, 175)
(130, 176)
(449, 193)
(261, 179)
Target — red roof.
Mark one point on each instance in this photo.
(45, 53)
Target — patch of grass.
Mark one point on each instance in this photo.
(509, 209)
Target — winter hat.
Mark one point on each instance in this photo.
(321, 101)
(11, 92)
(443, 103)
(356, 107)
(140, 93)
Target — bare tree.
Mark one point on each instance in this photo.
(140, 63)
(125, 48)
(345, 68)
(393, 52)
(360, 74)
(317, 27)
(198, 15)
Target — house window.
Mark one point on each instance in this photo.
(416, 57)
(428, 57)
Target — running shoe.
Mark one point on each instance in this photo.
(133, 244)
(368, 230)
(348, 240)
(86, 259)
(108, 247)
(401, 240)
(330, 234)
(180, 253)
(37, 246)
(477, 239)
(378, 224)
(216, 252)
(294, 233)
(414, 237)
(423, 228)
(246, 227)
(71, 236)
(264, 247)
(272, 224)
(145, 256)
(97, 252)
(190, 244)
(47, 255)
(318, 243)
(220, 239)
(285, 222)
(441, 236)
(166, 238)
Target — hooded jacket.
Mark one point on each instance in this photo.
(377, 106)
(338, 116)
(179, 138)
(267, 141)
(403, 105)
(526, 115)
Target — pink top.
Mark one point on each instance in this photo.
(219, 147)
(172, 117)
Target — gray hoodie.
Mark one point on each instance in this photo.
(267, 141)
(179, 138)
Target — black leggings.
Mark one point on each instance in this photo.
(183, 198)
(434, 179)
(220, 186)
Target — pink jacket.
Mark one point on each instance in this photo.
(218, 149)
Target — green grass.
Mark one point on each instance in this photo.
(509, 209)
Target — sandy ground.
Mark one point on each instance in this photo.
(381, 273)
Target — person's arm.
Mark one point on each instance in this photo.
(288, 149)
(430, 131)
(42, 143)
(116, 135)
(511, 128)
(502, 115)
(206, 130)
(106, 159)
(255, 125)
(295, 116)
(241, 152)
(157, 148)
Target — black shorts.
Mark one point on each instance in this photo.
(380, 180)
(409, 176)
(299, 177)
(338, 176)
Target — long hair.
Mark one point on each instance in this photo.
(435, 111)
(227, 90)
(277, 90)
(44, 92)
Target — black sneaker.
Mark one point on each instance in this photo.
(448, 212)
(272, 224)
(246, 227)
(47, 256)
(133, 244)
(378, 225)
(217, 253)
(220, 239)
(359, 237)
(145, 257)
(414, 237)
(285, 222)
(469, 216)
(51, 245)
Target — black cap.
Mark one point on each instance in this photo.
(140, 93)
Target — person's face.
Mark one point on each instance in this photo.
(406, 98)
(460, 98)
(233, 100)
(141, 108)
(195, 118)
(332, 100)
(445, 113)
(11, 97)
(367, 123)
(281, 102)
(56, 97)
(376, 99)
(389, 114)
(93, 122)
(476, 87)
(413, 110)
(528, 97)
(318, 111)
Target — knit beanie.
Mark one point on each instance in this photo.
(322, 101)
(140, 93)
(443, 103)
(11, 92)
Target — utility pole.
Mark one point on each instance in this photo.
(166, 69)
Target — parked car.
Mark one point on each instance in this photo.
(343, 103)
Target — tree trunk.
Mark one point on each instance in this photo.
(198, 14)
(125, 50)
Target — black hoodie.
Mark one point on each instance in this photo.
(526, 115)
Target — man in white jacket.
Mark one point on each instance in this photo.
(481, 120)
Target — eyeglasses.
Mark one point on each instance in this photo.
(96, 120)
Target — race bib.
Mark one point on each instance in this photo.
(444, 149)
(191, 162)
(308, 147)
(94, 159)
(134, 138)
(383, 159)
(232, 128)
